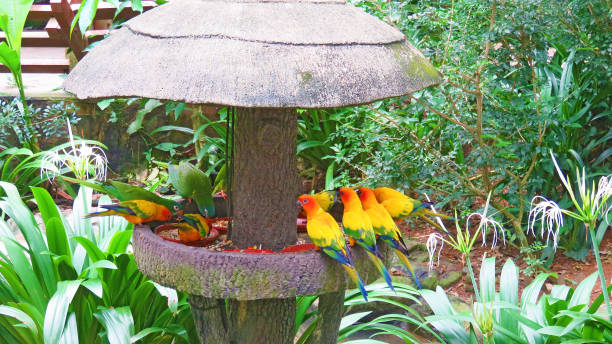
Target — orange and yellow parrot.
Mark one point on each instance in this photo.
(385, 228)
(136, 212)
(325, 234)
(325, 199)
(193, 228)
(401, 206)
(358, 227)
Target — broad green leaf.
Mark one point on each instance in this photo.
(45, 204)
(10, 58)
(12, 20)
(57, 310)
(57, 239)
(487, 280)
(582, 294)
(508, 292)
(71, 333)
(350, 319)
(452, 330)
(21, 316)
(14, 207)
(93, 251)
(95, 286)
(150, 105)
(119, 242)
(118, 323)
(168, 293)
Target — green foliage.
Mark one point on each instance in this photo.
(78, 282)
(12, 19)
(87, 11)
(19, 127)
(353, 322)
(20, 167)
(559, 315)
(516, 83)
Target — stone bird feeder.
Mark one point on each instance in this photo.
(266, 58)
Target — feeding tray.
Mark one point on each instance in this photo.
(169, 233)
(242, 275)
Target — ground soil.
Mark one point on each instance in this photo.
(569, 271)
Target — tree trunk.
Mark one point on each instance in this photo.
(265, 184)
(331, 308)
(244, 322)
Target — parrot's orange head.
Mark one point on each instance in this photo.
(165, 214)
(347, 195)
(308, 203)
(366, 194)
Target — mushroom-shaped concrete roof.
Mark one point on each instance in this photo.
(279, 53)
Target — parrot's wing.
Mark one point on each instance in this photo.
(127, 192)
(105, 189)
(354, 225)
(120, 209)
(191, 182)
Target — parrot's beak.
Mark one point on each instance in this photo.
(299, 205)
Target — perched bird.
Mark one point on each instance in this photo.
(193, 184)
(385, 228)
(136, 211)
(193, 228)
(326, 235)
(358, 227)
(401, 206)
(326, 199)
(126, 192)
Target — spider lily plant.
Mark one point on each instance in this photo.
(464, 240)
(591, 205)
(84, 159)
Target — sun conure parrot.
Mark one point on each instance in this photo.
(193, 228)
(126, 192)
(401, 206)
(358, 227)
(326, 235)
(136, 211)
(325, 199)
(386, 229)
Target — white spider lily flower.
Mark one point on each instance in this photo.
(487, 222)
(433, 208)
(550, 216)
(604, 193)
(432, 244)
(83, 160)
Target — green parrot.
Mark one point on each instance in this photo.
(126, 192)
(192, 183)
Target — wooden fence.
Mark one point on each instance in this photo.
(58, 15)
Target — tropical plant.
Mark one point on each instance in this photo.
(21, 167)
(592, 204)
(79, 285)
(307, 315)
(562, 315)
(314, 145)
(13, 15)
(19, 128)
(500, 60)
